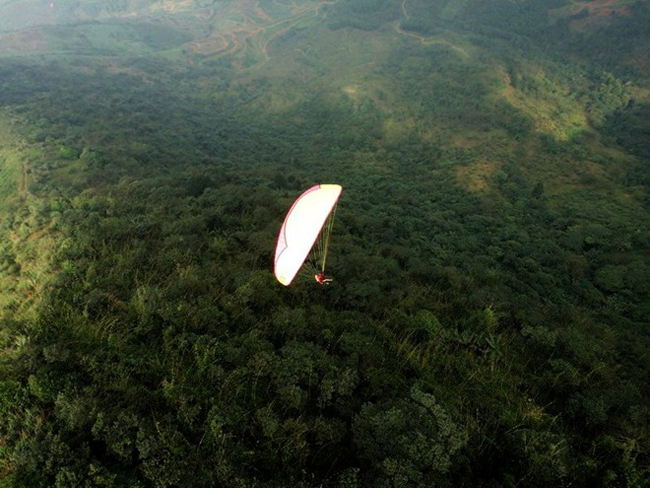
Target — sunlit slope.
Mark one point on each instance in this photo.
(27, 238)
(462, 92)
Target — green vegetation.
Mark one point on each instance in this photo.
(366, 15)
(487, 324)
(9, 176)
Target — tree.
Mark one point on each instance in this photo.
(408, 442)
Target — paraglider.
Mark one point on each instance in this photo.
(307, 228)
(321, 280)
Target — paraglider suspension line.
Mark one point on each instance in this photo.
(326, 236)
(318, 257)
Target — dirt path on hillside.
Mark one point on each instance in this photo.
(425, 40)
(404, 12)
(429, 40)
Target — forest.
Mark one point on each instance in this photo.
(487, 323)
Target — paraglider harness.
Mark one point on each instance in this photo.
(321, 280)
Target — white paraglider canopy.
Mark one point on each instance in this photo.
(301, 228)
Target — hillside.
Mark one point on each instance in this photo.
(487, 322)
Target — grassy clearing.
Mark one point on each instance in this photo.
(547, 101)
(22, 285)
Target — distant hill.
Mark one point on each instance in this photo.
(15, 15)
(243, 30)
